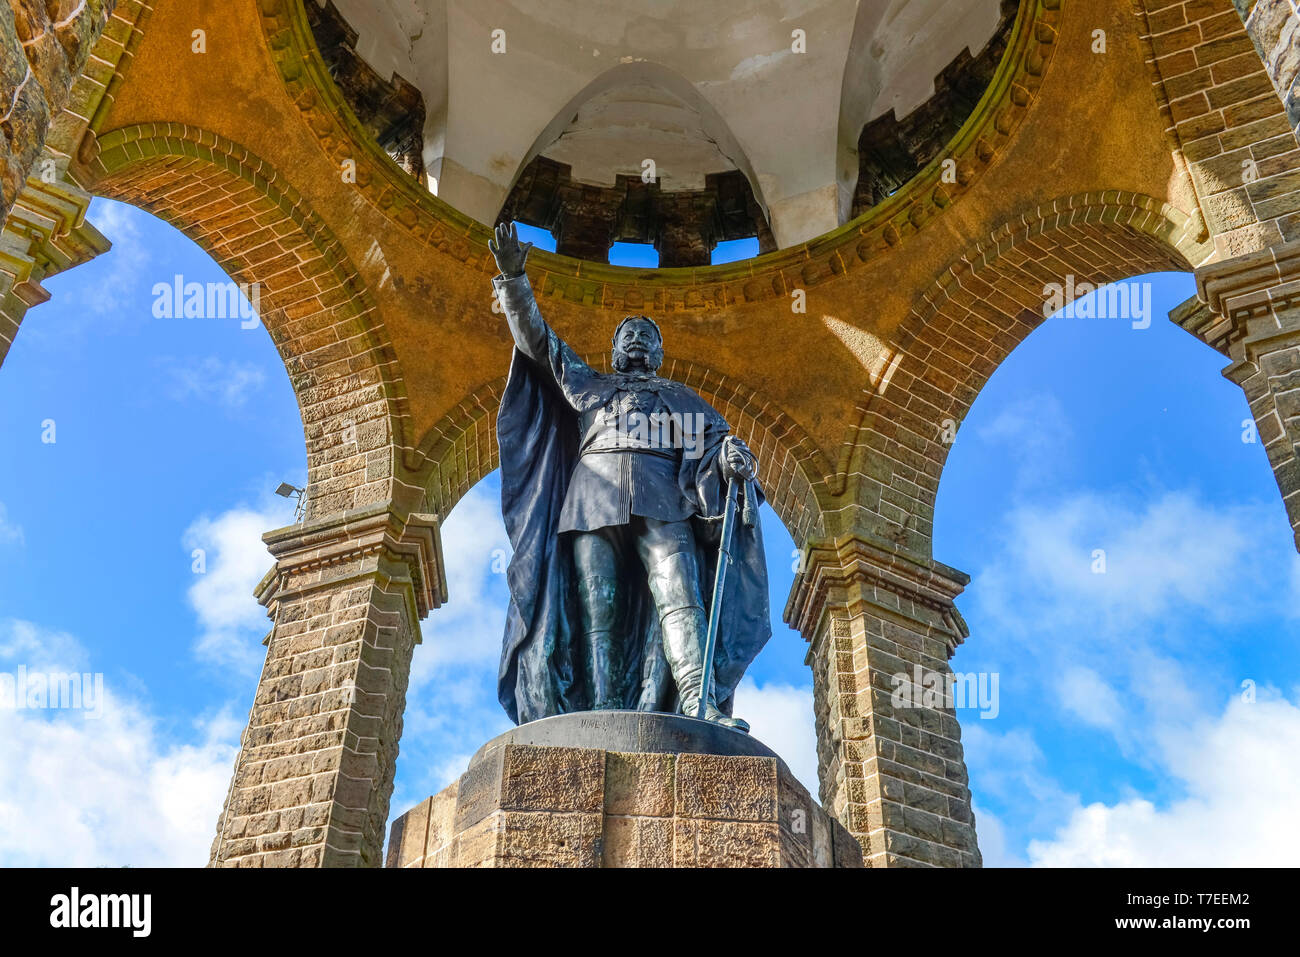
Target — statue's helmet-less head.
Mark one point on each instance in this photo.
(638, 339)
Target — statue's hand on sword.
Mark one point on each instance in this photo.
(738, 463)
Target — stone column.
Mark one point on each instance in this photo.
(894, 775)
(314, 774)
(1252, 315)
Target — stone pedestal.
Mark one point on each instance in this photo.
(622, 789)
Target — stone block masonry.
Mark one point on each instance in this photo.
(542, 806)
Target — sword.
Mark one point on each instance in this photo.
(719, 579)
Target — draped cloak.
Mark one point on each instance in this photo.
(541, 671)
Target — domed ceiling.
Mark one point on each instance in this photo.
(677, 122)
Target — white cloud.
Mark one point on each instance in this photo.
(23, 643)
(1240, 779)
(1170, 555)
(212, 379)
(1142, 654)
(110, 792)
(468, 627)
(235, 559)
(781, 716)
(118, 289)
(452, 698)
(1007, 773)
(10, 533)
(1034, 435)
(1086, 694)
(1148, 635)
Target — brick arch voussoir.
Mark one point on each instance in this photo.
(972, 317)
(461, 448)
(324, 323)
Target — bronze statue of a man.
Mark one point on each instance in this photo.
(613, 486)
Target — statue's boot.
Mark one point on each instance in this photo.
(683, 627)
(599, 600)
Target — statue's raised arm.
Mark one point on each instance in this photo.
(533, 337)
(526, 323)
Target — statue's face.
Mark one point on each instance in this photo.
(638, 347)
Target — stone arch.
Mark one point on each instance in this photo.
(322, 320)
(971, 318)
(461, 448)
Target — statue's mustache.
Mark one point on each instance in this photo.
(650, 356)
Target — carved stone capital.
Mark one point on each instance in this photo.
(853, 572)
(363, 542)
(45, 233)
(1256, 284)
(1246, 307)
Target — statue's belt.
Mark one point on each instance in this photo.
(670, 454)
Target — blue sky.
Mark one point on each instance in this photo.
(1123, 735)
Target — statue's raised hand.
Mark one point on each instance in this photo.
(510, 253)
